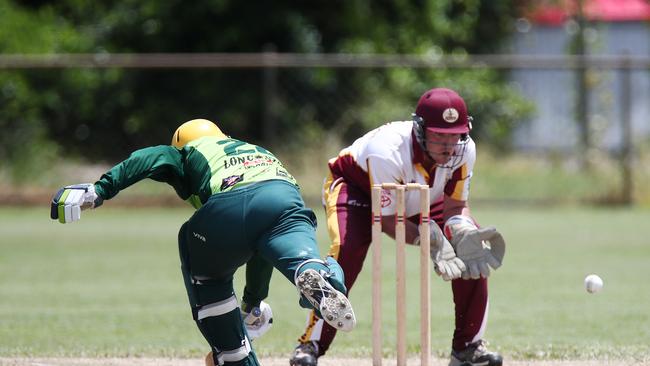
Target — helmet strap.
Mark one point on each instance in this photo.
(418, 129)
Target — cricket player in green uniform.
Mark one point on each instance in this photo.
(248, 211)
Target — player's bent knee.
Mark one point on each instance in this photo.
(217, 308)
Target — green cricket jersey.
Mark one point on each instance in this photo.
(203, 167)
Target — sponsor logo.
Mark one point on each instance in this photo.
(450, 115)
(281, 173)
(385, 199)
(231, 181)
(258, 161)
(249, 161)
(199, 236)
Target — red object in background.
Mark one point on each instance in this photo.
(557, 12)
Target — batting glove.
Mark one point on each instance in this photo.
(480, 249)
(69, 201)
(445, 262)
(257, 319)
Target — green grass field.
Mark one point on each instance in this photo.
(110, 285)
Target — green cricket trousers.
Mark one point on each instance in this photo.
(263, 224)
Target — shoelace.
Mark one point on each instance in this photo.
(481, 347)
(324, 291)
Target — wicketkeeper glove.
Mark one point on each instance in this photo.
(480, 249)
(69, 201)
(257, 319)
(445, 262)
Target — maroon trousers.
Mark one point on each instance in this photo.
(349, 225)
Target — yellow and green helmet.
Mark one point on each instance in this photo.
(192, 130)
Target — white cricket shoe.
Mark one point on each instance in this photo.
(334, 306)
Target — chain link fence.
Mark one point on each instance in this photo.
(585, 139)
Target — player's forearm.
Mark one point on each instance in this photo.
(454, 207)
(388, 227)
(159, 162)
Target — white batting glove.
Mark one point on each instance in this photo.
(480, 249)
(258, 321)
(69, 201)
(445, 262)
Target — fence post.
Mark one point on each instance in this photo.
(627, 186)
(582, 89)
(269, 95)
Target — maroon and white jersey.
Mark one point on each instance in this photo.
(390, 154)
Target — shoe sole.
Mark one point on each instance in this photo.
(307, 361)
(466, 363)
(333, 305)
(456, 362)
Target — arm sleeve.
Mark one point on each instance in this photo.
(258, 277)
(161, 163)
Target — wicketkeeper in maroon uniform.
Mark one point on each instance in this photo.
(433, 148)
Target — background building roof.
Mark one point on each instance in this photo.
(556, 12)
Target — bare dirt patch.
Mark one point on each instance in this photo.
(268, 361)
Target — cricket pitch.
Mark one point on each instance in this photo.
(275, 361)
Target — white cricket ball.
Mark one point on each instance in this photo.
(593, 283)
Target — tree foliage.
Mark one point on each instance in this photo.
(105, 113)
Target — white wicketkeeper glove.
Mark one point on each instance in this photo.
(258, 321)
(480, 249)
(69, 201)
(445, 262)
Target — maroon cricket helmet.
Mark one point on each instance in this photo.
(443, 111)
